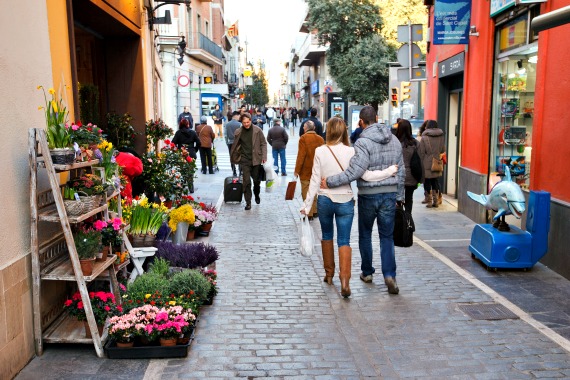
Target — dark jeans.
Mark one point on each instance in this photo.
(409, 198)
(250, 174)
(206, 154)
(431, 184)
(229, 150)
(379, 208)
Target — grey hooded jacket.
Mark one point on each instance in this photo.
(376, 149)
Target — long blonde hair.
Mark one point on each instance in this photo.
(337, 131)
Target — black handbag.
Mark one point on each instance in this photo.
(404, 228)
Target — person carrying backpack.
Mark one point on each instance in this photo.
(414, 172)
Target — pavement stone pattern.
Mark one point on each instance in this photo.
(274, 318)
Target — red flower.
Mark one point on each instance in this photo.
(80, 305)
(78, 123)
(120, 308)
(107, 308)
(68, 303)
(189, 159)
(167, 142)
(152, 303)
(91, 294)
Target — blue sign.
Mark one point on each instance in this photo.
(497, 6)
(452, 20)
(315, 87)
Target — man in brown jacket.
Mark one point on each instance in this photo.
(308, 143)
(206, 136)
(249, 150)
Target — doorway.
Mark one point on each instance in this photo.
(453, 148)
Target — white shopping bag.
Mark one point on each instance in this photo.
(306, 238)
(270, 174)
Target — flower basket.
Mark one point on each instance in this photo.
(143, 240)
(73, 207)
(62, 156)
(90, 202)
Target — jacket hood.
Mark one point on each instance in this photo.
(379, 133)
(186, 132)
(433, 132)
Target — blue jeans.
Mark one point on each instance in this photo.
(382, 208)
(279, 153)
(343, 213)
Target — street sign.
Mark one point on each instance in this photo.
(418, 74)
(404, 55)
(183, 80)
(417, 33)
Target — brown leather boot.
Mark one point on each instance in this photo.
(439, 198)
(327, 246)
(345, 263)
(431, 202)
(427, 198)
(435, 198)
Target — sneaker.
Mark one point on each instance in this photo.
(248, 206)
(257, 199)
(284, 174)
(366, 279)
(392, 285)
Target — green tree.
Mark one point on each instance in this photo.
(357, 54)
(257, 93)
(398, 12)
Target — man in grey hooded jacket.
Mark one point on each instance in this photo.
(376, 149)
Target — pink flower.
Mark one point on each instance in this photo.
(75, 127)
(107, 308)
(99, 225)
(68, 303)
(80, 305)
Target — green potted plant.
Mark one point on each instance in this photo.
(102, 303)
(87, 243)
(90, 189)
(57, 130)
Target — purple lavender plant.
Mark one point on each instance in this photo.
(193, 255)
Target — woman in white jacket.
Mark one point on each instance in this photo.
(337, 203)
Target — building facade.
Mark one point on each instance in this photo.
(498, 98)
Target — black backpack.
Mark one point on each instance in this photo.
(416, 165)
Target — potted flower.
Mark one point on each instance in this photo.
(87, 242)
(170, 323)
(145, 218)
(102, 303)
(57, 132)
(122, 329)
(106, 157)
(86, 136)
(90, 188)
(155, 131)
(179, 220)
(211, 275)
(110, 235)
(193, 255)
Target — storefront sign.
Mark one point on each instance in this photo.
(497, 6)
(451, 66)
(452, 19)
(514, 33)
(315, 87)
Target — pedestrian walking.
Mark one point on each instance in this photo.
(377, 148)
(336, 205)
(316, 121)
(218, 117)
(259, 119)
(270, 114)
(432, 145)
(308, 143)
(249, 150)
(187, 137)
(286, 117)
(294, 114)
(409, 146)
(206, 135)
(231, 128)
(427, 196)
(186, 115)
(277, 137)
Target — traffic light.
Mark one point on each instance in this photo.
(180, 50)
(394, 97)
(405, 91)
(208, 80)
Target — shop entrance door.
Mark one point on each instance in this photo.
(453, 142)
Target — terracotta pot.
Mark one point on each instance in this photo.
(103, 255)
(183, 339)
(87, 266)
(125, 345)
(88, 332)
(207, 227)
(168, 341)
(191, 235)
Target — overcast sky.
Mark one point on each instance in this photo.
(270, 28)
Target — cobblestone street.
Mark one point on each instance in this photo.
(275, 318)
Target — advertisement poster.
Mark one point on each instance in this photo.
(516, 163)
(337, 109)
(452, 20)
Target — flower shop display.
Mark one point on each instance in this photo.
(87, 243)
(108, 162)
(90, 189)
(57, 133)
(85, 138)
(156, 130)
(111, 235)
(102, 303)
(145, 218)
(190, 280)
(212, 276)
(119, 130)
(192, 255)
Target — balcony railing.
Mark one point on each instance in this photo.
(208, 45)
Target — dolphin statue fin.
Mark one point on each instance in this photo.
(507, 174)
(500, 213)
(478, 198)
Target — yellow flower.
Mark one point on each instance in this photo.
(51, 91)
(54, 105)
(39, 87)
(184, 213)
(147, 296)
(40, 108)
(172, 303)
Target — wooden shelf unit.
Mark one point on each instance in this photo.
(55, 258)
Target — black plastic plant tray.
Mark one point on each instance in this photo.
(147, 352)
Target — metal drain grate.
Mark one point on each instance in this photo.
(487, 311)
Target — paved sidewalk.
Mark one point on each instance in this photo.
(275, 318)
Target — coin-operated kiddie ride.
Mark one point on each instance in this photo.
(499, 245)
